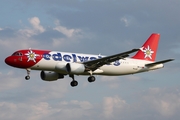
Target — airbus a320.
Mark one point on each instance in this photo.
(55, 65)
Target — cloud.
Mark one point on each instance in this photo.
(49, 90)
(72, 109)
(37, 28)
(35, 22)
(67, 32)
(85, 105)
(36, 111)
(111, 104)
(114, 82)
(9, 81)
(127, 20)
(42, 110)
(57, 42)
(24, 38)
(164, 102)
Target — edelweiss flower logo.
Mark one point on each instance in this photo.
(31, 55)
(147, 52)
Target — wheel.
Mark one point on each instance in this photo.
(91, 79)
(27, 77)
(74, 83)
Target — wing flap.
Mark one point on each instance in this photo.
(159, 62)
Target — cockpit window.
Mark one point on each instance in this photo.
(17, 54)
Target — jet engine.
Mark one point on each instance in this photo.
(50, 76)
(61, 67)
(75, 68)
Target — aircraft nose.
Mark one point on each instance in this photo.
(8, 61)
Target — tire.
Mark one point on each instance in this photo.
(27, 77)
(91, 79)
(74, 83)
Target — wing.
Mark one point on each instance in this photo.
(159, 62)
(95, 64)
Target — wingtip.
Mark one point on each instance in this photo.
(171, 59)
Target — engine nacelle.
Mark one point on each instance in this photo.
(75, 68)
(61, 67)
(50, 76)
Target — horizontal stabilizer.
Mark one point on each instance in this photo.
(159, 62)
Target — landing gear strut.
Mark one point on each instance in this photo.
(91, 78)
(28, 73)
(74, 82)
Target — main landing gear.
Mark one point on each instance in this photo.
(91, 79)
(28, 74)
(75, 83)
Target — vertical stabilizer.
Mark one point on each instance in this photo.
(149, 49)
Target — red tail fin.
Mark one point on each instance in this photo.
(148, 50)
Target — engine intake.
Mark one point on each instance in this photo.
(50, 76)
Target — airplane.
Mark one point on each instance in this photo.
(55, 65)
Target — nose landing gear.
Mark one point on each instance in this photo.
(27, 77)
(28, 74)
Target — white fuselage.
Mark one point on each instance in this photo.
(124, 66)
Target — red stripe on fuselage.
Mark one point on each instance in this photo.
(25, 58)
